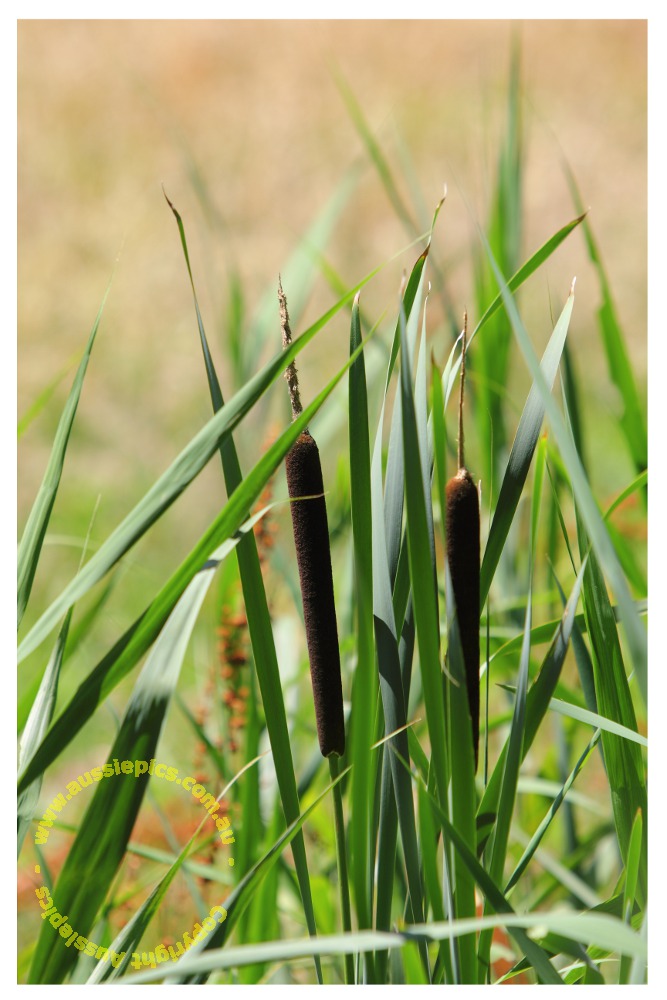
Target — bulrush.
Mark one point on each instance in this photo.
(463, 558)
(311, 539)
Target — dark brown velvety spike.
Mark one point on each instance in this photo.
(311, 538)
(463, 558)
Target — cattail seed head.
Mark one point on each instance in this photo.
(463, 558)
(462, 504)
(311, 538)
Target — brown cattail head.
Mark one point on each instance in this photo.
(462, 504)
(463, 559)
(311, 538)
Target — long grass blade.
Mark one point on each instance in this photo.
(38, 519)
(422, 574)
(36, 726)
(633, 865)
(42, 400)
(462, 802)
(586, 927)
(553, 809)
(395, 471)
(522, 452)
(504, 229)
(534, 262)
(365, 687)
(375, 154)
(633, 421)
(597, 721)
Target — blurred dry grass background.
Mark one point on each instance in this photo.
(110, 110)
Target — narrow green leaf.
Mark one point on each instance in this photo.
(638, 973)
(387, 839)
(633, 863)
(38, 519)
(553, 809)
(374, 152)
(515, 743)
(521, 454)
(365, 678)
(422, 576)
(633, 421)
(640, 482)
(463, 799)
(38, 722)
(41, 401)
(387, 516)
(597, 721)
(439, 443)
(531, 265)
(585, 927)
(395, 472)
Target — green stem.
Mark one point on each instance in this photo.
(342, 865)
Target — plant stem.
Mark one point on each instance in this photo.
(342, 865)
(461, 451)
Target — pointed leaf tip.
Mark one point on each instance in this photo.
(170, 203)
